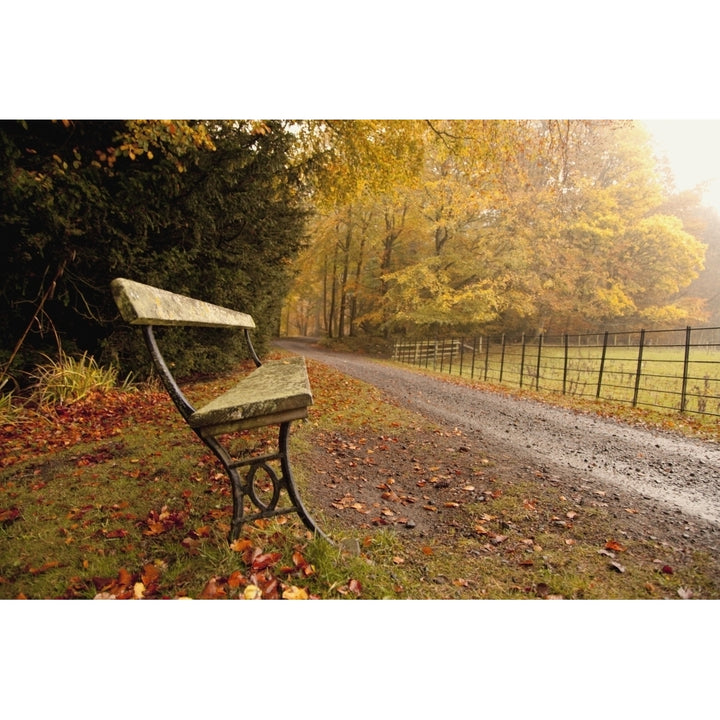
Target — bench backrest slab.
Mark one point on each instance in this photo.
(141, 304)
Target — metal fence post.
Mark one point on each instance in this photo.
(502, 358)
(686, 366)
(487, 356)
(602, 365)
(638, 372)
(565, 362)
(472, 367)
(537, 368)
(522, 360)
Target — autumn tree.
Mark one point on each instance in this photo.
(511, 225)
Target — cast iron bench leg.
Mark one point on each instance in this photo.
(289, 483)
(245, 486)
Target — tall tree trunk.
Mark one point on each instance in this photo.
(345, 272)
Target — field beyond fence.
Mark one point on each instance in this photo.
(672, 370)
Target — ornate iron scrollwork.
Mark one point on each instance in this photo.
(251, 479)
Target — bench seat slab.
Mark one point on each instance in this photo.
(279, 388)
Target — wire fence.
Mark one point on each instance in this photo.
(672, 370)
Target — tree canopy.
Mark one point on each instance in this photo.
(510, 225)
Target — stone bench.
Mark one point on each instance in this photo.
(274, 394)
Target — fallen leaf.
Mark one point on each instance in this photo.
(295, 593)
(236, 579)
(614, 545)
(240, 544)
(265, 560)
(685, 593)
(116, 533)
(212, 590)
(617, 566)
(150, 573)
(252, 592)
(9, 515)
(44, 568)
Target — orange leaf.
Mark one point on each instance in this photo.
(44, 568)
(236, 579)
(614, 545)
(240, 544)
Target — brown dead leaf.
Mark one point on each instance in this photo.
(265, 560)
(212, 590)
(150, 574)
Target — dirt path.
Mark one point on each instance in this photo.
(674, 480)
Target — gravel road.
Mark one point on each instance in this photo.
(675, 479)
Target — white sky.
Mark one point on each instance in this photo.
(693, 150)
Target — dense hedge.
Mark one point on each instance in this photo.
(209, 209)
